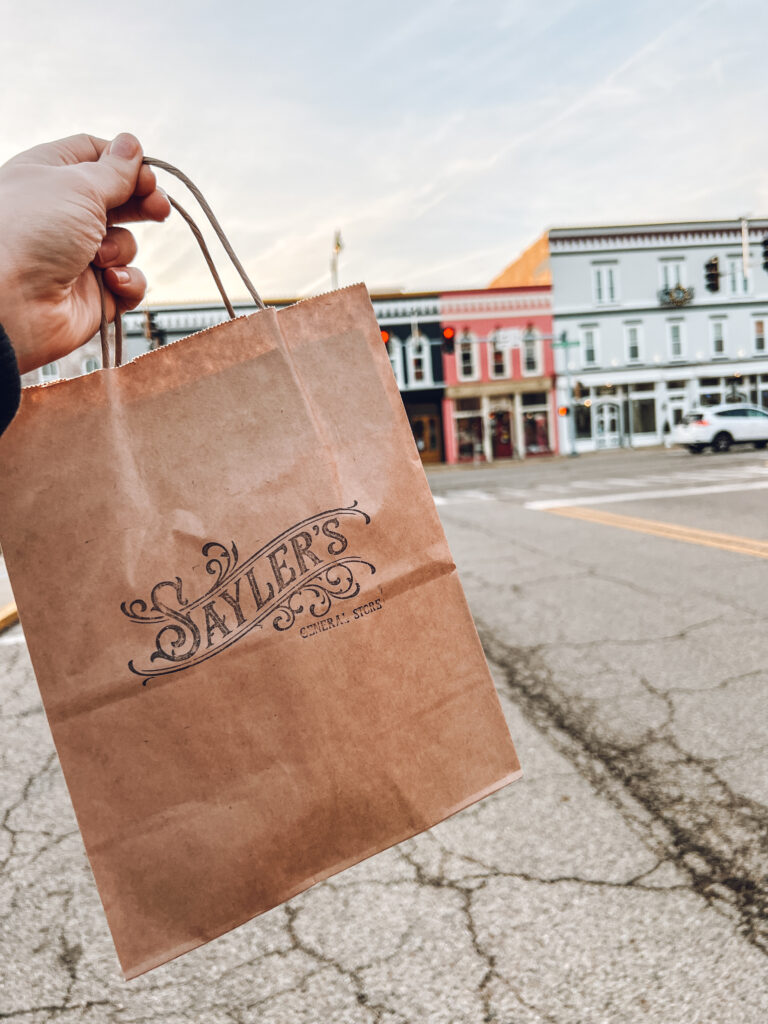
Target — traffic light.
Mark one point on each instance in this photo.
(765, 253)
(449, 339)
(562, 410)
(712, 274)
(384, 336)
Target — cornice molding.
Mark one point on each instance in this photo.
(662, 236)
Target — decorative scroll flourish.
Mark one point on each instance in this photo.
(303, 570)
(318, 592)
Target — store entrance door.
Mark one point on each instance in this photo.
(502, 435)
(426, 433)
(607, 425)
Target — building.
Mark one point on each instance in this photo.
(411, 327)
(649, 334)
(499, 397)
(490, 397)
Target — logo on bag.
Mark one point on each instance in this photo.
(302, 571)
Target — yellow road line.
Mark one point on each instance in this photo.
(9, 616)
(689, 534)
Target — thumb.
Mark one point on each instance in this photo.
(114, 175)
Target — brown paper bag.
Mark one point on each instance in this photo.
(251, 641)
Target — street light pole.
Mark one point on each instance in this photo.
(338, 245)
(564, 344)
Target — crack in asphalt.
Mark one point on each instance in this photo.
(715, 835)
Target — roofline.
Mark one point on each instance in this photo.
(514, 288)
(650, 226)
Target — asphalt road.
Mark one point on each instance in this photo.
(621, 599)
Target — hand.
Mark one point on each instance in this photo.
(59, 203)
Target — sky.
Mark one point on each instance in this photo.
(441, 137)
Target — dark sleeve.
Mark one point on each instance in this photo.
(10, 381)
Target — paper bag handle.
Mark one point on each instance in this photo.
(163, 165)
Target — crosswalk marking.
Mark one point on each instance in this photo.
(676, 492)
(571, 492)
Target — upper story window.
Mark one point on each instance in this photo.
(498, 356)
(466, 356)
(531, 351)
(90, 364)
(737, 281)
(605, 283)
(759, 335)
(672, 273)
(395, 352)
(50, 371)
(589, 346)
(676, 339)
(717, 336)
(632, 342)
(419, 361)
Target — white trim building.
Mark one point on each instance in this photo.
(653, 341)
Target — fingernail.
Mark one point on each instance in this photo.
(108, 250)
(124, 145)
(122, 276)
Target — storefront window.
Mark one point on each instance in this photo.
(467, 404)
(470, 436)
(536, 430)
(535, 398)
(582, 419)
(643, 416)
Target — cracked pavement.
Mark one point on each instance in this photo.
(622, 880)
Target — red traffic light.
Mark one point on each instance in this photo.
(449, 333)
(563, 410)
(385, 336)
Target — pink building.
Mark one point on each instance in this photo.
(499, 398)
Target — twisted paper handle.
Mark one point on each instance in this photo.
(104, 327)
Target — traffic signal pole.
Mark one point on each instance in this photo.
(564, 344)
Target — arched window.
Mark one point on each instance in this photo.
(419, 360)
(466, 356)
(498, 355)
(91, 363)
(395, 352)
(50, 371)
(531, 351)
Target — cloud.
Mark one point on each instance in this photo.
(440, 138)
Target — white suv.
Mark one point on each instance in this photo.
(721, 426)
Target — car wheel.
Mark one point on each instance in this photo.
(695, 449)
(722, 442)
(761, 444)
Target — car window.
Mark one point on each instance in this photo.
(734, 412)
(758, 414)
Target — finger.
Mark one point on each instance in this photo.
(147, 182)
(117, 250)
(73, 150)
(152, 207)
(127, 285)
(114, 175)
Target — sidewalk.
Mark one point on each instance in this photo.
(8, 614)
